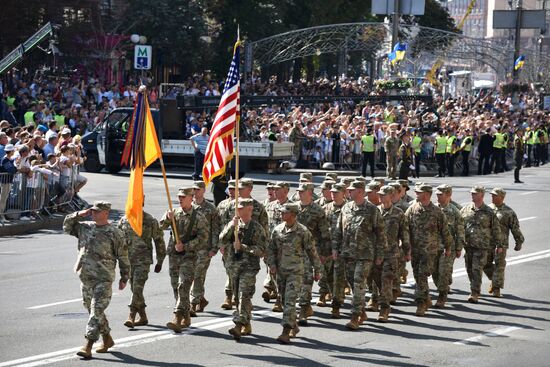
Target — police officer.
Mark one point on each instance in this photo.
(368, 148)
(465, 149)
(451, 148)
(440, 150)
(417, 147)
(519, 153)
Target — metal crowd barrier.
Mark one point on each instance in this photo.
(24, 195)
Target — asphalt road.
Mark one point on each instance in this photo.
(42, 319)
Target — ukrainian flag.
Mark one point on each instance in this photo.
(398, 53)
(519, 62)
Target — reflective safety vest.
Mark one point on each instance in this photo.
(450, 142)
(440, 145)
(466, 144)
(528, 138)
(28, 117)
(545, 133)
(505, 140)
(416, 142)
(368, 143)
(536, 139)
(499, 141)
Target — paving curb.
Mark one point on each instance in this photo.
(20, 227)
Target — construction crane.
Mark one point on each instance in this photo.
(431, 75)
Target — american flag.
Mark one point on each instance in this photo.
(219, 150)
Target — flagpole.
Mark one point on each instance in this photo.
(237, 136)
(174, 228)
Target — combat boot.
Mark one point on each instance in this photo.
(175, 325)
(474, 297)
(302, 317)
(421, 309)
(202, 305)
(496, 292)
(403, 277)
(266, 296)
(335, 313)
(384, 314)
(490, 290)
(396, 293)
(309, 310)
(108, 342)
(294, 332)
(142, 321)
(131, 318)
(273, 295)
(186, 321)
(354, 323)
(284, 338)
(277, 307)
(322, 300)
(236, 331)
(86, 351)
(192, 312)
(363, 317)
(429, 302)
(372, 305)
(227, 303)
(441, 300)
(246, 329)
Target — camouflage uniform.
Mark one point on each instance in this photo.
(332, 212)
(182, 265)
(482, 233)
(397, 232)
(428, 229)
(496, 263)
(313, 217)
(322, 201)
(140, 251)
(274, 219)
(100, 247)
(444, 264)
(203, 259)
(358, 239)
(225, 216)
(244, 265)
(391, 146)
(285, 252)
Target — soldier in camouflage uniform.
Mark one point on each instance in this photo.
(100, 246)
(274, 215)
(482, 233)
(428, 231)
(397, 235)
(243, 263)
(192, 228)
(198, 302)
(140, 253)
(402, 201)
(347, 182)
(373, 198)
(270, 194)
(305, 177)
(332, 212)
(391, 147)
(325, 193)
(359, 239)
(290, 243)
(496, 262)
(444, 264)
(313, 217)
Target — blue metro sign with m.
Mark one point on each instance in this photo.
(142, 57)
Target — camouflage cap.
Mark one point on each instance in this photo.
(357, 185)
(382, 180)
(477, 189)
(245, 202)
(270, 185)
(185, 191)
(443, 189)
(386, 190)
(332, 175)
(199, 185)
(373, 186)
(403, 183)
(231, 184)
(306, 175)
(306, 187)
(361, 178)
(346, 180)
(499, 191)
(290, 207)
(423, 188)
(327, 184)
(396, 186)
(281, 185)
(339, 187)
(245, 182)
(101, 205)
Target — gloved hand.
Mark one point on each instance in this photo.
(518, 247)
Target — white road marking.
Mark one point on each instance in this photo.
(8, 253)
(526, 218)
(58, 303)
(528, 193)
(489, 334)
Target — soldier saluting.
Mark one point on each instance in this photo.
(100, 246)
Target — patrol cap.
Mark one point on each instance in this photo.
(245, 182)
(357, 185)
(199, 185)
(332, 175)
(477, 189)
(231, 184)
(306, 175)
(346, 180)
(499, 191)
(306, 186)
(245, 202)
(423, 188)
(361, 178)
(101, 205)
(327, 185)
(281, 185)
(270, 185)
(403, 183)
(339, 187)
(185, 191)
(443, 189)
(386, 190)
(290, 208)
(373, 186)
(395, 185)
(382, 180)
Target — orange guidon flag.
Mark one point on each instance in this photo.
(140, 150)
